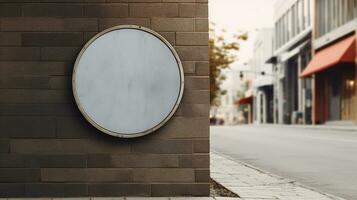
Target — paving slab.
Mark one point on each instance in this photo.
(251, 183)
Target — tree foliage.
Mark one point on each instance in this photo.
(221, 55)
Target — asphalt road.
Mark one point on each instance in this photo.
(322, 159)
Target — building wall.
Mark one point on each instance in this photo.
(334, 21)
(293, 19)
(47, 147)
(263, 50)
(228, 110)
(278, 94)
(249, 72)
(293, 25)
(260, 107)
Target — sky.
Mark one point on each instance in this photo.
(241, 15)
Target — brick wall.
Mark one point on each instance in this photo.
(46, 146)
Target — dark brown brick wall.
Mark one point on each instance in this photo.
(46, 146)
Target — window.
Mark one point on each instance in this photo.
(285, 30)
(350, 11)
(334, 14)
(280, 37)
(338, 14)
(321, 15)
(300, 16)
(334, 17)
(296, 16)
(327, 12)
(307, 13)
(344, 12)
(295, 20)
(289, 25)
(355, 9)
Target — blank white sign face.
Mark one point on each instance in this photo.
(128, 81)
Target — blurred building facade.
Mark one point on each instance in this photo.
(246, 103)
(303, 70)
(313, 63)
(333, 67)
(292, 52)
(263, 83)
(228, 111)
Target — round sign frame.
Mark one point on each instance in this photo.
(157, 126)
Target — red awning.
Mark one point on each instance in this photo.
(342, 51)
(244, 100)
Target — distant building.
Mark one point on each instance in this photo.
(242, 93)
(263, 83)
(247, 75)
(334, 64)
(247, 100)
(228, 110)
(292, 52)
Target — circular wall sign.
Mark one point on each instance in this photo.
(128, 81)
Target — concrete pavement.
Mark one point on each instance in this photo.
(127, 198)
(253, 184)
(318, 158)
(330, 127)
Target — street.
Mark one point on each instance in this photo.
(325, 160)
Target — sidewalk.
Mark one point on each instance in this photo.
(253, 184)
(351, 128)
(127, 198)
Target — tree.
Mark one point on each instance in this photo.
(221, 55)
